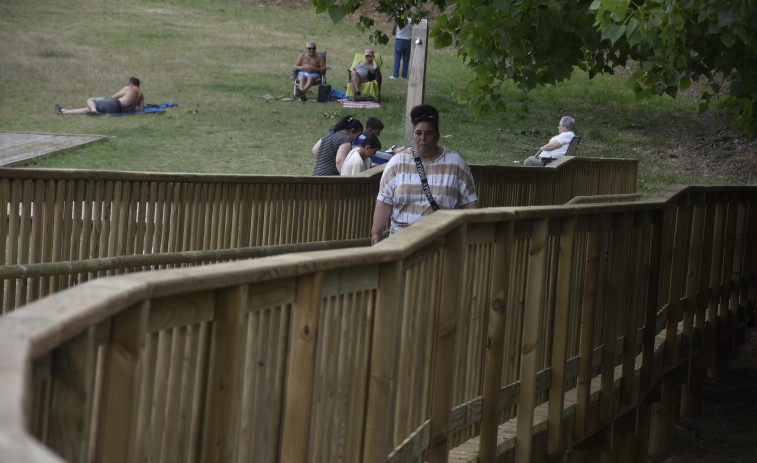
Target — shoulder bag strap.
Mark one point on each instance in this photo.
(424, 181)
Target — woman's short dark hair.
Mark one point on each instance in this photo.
(425, 113)
(348, 123)
(372, 141)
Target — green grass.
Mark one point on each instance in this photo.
(216, 59)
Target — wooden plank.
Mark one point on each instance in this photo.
(182, 310)
(444, 352)
(615, 308)
(19, 147)
(73, 372)
(560, 333)
(530, 343)
(118, 422)
(677, 279)
(300, 372)
(218, 435)
(494, 356)
(412, 447)
(383, 366)
(587, 327)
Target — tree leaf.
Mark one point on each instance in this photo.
(443, 40)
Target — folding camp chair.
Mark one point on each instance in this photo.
(318, 81)
(573, 147)
(368, 90)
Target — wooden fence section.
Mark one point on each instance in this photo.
(510, 333)
(68, 216)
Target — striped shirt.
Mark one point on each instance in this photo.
(449, 179)
(325, 163)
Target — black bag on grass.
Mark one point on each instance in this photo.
(324, 93)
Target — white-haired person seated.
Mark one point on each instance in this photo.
(557, 146)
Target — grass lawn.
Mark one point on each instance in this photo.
(218, 59)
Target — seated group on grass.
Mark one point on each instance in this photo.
(348, 149)
(310, 68)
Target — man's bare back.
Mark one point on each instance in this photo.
(131, 99)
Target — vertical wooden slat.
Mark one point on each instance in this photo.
(73, 371)
(677, 268)
(6, 211)
(654, 220)
(109, 214)
(218, 434)
(614, 307)
(26, 231)
(383, 366)
(636, 289)
(444, 352)
(563, 297)
(530, 344)
(298, 396)
(123, 352)
(588, 317)
(694, 269)
(500, 276)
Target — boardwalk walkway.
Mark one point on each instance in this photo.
(725, 432)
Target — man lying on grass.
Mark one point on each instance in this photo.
(128, 99)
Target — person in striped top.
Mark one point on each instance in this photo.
(332, 149)
(401, 194)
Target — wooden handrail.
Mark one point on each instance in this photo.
(351, 352)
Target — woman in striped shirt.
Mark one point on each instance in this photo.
(401, 194)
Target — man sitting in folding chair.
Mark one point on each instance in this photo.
(365, 77)
(310, 67)
(557, 146)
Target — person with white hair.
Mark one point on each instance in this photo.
(309, 66)
(557, 146)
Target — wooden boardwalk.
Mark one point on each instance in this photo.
(18, 147)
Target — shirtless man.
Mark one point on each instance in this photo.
(126, 100)
(309, 65)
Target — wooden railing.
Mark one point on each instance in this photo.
(69, 216)
(503, 332)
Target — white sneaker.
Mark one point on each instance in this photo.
(392, 77)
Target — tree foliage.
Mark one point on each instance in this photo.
(672, 44)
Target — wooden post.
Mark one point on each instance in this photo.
(502, 257)
(530, 343)
(663, 419)
(295, 429)
(379, 419)
(416, 77)
(444, 352)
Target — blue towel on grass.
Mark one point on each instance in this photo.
(149, 109)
